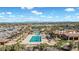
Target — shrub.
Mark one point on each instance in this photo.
(15, 47)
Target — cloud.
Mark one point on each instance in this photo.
(28, 18)
(68, 16)
(8, 12)
(56, 16)
(36, 12)
(12, 16)
(22, 7)
(1, 16)
(3, 13)
(21, 15)
(29, 8)
(49, 17)
(22, 19)
(77, 14)
(77, 17)
(69, 9)
(42, 16)
(71, 17)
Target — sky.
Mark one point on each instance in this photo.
(39, 14)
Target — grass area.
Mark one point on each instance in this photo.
(62, 43)
(15, 47)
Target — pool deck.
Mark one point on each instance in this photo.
(27, 40)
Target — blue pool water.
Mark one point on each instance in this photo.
(35, 39)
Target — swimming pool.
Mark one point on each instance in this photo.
(35, 39)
